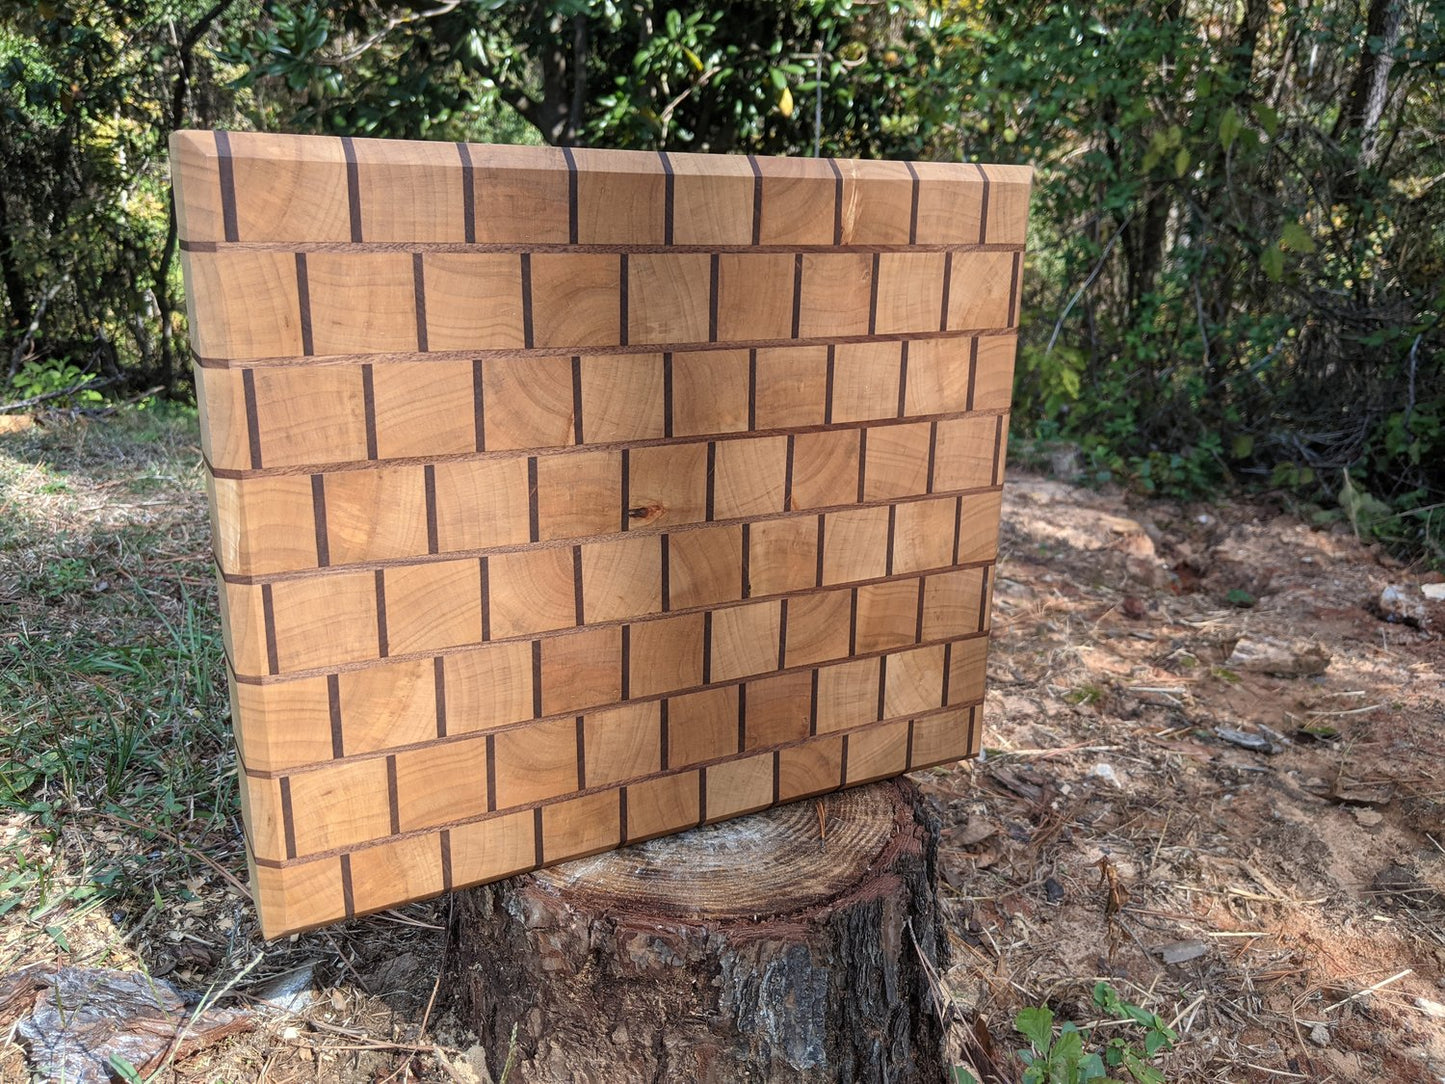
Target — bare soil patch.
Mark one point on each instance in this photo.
(1263, 890)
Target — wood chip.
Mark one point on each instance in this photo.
(1178, 952)
(1256, 655)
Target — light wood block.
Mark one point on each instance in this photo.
(825, 468)
(413, 865)
(878, 753)
(657, 807)
(665, 655)
(710, 392)
(877, 203)
(563, 498)
(806, 770)
(779, 709)
(887, 616)
(581, 670)
(792, 387)
(702, 726)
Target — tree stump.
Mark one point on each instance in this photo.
(786, 946)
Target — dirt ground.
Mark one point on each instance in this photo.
(1276, 894)
(1285, 881)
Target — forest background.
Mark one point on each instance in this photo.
(1237, 257)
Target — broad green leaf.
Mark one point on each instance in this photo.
(1229, 127)
(1268, 118)
(1037, 1025)
(1271, 262)
(1068, 1048)
(1296, 238)
(1157, 1040)
(1181, 162)
(1106, 997)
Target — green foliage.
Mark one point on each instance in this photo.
(1244, 263)
(125, 1070)
(89, 93)
(765, 77)
(59, 383)
(1065, 1058)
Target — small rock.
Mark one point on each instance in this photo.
(1261, 656)
(289, 991)
(1397, 607)
(1368, 818)
(1106, 772)
(1435, 592)
(1320, 1035)
(1149, 571)
(1053, 891)
(974, 831)
(1257, 743)
(620, 1035)
(471, 1067)
(1430, 1008)
(1134, 607)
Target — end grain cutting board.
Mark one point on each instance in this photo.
(564, 498)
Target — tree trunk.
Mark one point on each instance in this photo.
(753, 950)
(1366, 104)
(21, 314)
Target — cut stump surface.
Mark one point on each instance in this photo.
(792, 945)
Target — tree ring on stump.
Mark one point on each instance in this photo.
(743, 868)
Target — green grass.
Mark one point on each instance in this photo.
(116, 769)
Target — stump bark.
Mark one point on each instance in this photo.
(787, 946)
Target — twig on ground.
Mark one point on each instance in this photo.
(1370, 989)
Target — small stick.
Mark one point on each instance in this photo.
(1371, 989)
(441, 970)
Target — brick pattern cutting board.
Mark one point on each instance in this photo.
(567, 498)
